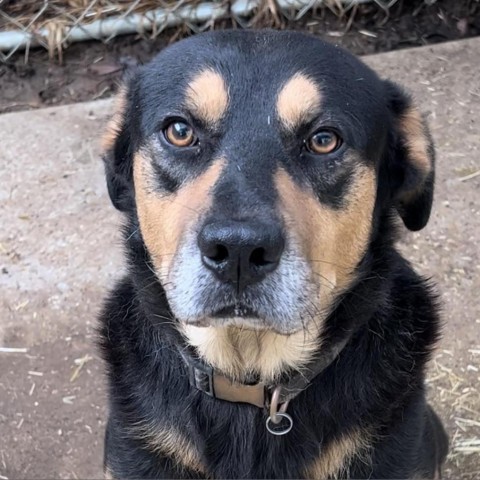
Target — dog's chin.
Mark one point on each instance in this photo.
(239, 319)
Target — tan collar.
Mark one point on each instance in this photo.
(213, 383)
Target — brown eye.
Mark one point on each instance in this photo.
(323, 141)
(180, 134)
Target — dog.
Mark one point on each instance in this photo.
(267, 326)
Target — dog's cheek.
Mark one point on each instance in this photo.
(332, 240)
(165, 218)
(352, 225)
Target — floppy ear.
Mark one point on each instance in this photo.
(411, 162)
(118, 148)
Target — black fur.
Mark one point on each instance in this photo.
(376, 384)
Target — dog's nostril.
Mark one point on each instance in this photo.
(257, 258)
(218, 254)
(240, 253)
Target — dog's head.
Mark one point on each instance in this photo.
(257, 166)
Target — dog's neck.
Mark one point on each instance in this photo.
(205, 378)
(243, 354)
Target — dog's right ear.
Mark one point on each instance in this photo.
(118, 148)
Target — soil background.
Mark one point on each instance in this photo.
(92, 70)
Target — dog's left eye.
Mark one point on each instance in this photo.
(323, 142)
(180, 134)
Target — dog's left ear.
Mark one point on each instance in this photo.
(411, 160)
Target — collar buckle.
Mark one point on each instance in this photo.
(200, 374)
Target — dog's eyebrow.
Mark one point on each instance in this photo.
(298, 101)
(207, 96)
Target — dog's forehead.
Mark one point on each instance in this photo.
(254, 69)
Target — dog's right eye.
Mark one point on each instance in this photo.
(180, 134)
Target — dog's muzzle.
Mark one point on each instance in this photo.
(246, 274)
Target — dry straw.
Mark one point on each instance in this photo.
(52, 23)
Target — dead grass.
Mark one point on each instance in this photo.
(454, 392)
(58, 17)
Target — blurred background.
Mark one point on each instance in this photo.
(60, 249)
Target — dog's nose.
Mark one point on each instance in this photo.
(241, 253)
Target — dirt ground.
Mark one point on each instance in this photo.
(92, 70)
(59, 252)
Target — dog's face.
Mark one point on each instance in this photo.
(257, 166)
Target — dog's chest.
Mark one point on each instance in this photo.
(224, 440)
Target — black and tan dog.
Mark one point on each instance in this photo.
(267, 326)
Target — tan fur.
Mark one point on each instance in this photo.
(334, 460)
(333, 241)
(115, 123)
(417, 143)
(237, 352)
(207, 96)
(298, 100)
(170, 442)
(165, 218)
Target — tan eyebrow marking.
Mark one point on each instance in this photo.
(207, 96)
(298, 100)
